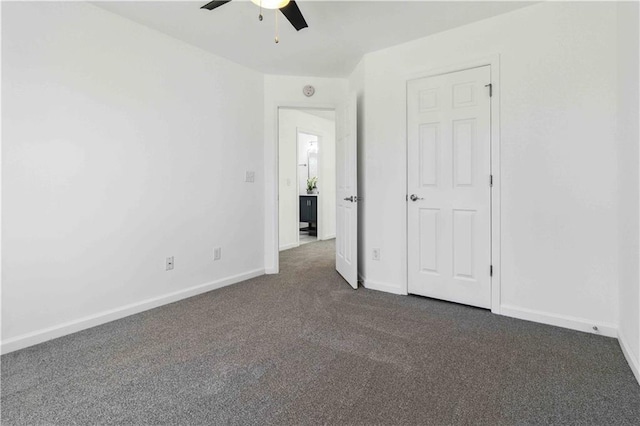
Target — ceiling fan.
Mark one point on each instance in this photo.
(289, 9)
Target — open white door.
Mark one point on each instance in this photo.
(347, 191)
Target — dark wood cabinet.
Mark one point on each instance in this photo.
(309, 213)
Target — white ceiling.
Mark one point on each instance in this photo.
(322, 113)
(339, 33)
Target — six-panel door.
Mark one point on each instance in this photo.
(449, 168)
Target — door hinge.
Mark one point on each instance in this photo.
(490, 86)
(490, 180)
(490, 270)
(406, 197)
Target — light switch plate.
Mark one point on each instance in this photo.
(249, 176)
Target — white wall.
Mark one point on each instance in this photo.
(558, 157)
(629, 185)
(121, 146)
(290, 121)
(287, 91)
(326, 177)
(287, 173)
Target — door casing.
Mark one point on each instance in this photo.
(494, 62)
(272, 250)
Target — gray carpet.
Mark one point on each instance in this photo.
(304, 348)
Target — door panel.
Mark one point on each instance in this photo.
(429, 240)
(429, 135)
(449, 167)
(347, 195)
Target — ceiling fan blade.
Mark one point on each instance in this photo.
(293, 14)
(212, 5)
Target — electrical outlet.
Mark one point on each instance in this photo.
(376, 254)
(217, 253)
(249, 176)
(169, 263)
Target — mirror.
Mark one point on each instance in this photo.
(312, 159)
(308, 160)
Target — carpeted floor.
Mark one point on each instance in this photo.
(304, 348)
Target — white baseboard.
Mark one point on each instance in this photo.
(288, 246)
(579, 324)
(632, 360)
(329, 237)
(387, 288)
(60, 330)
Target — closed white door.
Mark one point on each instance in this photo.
(449, 174)
(346, 192)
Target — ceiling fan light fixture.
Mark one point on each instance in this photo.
(271, 4)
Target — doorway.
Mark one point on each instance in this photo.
(449, 183)
(308, 145)
(306, 176)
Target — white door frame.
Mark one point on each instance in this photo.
(494, 62)
(273, 250)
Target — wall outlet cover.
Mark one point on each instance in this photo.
(376, 254)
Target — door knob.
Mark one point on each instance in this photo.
(414, 197)
(349, 199)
